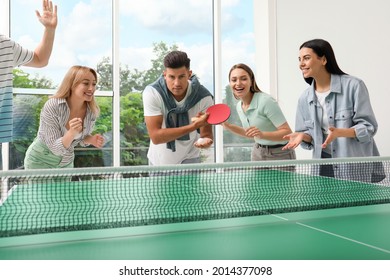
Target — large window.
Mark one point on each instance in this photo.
(83, 37)
(147, 31)
(237, 46)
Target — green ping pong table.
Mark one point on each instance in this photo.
(202, 215)
(354, 233)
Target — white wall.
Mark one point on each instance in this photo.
(4, 17)
(359, 32)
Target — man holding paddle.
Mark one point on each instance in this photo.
(173, 110)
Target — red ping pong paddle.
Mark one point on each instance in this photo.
(218, 113)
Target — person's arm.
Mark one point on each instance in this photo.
(365, 124)
(160, 135)
(271, 111)
(235, 129)
(206, 132)
(276, 135)
(50, 127)
(338, 132)
(295, 139)
(75, 127)
(364, 120)
(206, 137)
(96, 140)
(303, 126)
(44, 49)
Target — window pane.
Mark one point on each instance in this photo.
(238, 46)
(26, 122)
(83, 37)
(150, 29)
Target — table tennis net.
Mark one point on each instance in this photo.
(40, 201)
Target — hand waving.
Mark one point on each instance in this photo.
(49, 14)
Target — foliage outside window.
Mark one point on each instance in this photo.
(134, 137)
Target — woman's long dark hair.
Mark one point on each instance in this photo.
(323, 48)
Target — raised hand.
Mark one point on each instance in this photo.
(49, 14)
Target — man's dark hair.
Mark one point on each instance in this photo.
(176, 59)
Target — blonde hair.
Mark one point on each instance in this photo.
(73, 78)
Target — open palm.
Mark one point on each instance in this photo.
(49, 14)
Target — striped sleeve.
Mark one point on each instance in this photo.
(51, 126)
(22, 55)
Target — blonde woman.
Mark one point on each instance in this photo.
(67, 120)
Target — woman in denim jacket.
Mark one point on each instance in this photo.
(334, 115)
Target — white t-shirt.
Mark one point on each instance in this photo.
(321, 96)
(154, 106)
(321, 99)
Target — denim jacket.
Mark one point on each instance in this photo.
(347, 106)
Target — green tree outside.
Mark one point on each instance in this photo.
(133, 134)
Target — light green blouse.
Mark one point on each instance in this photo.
(264, 113)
